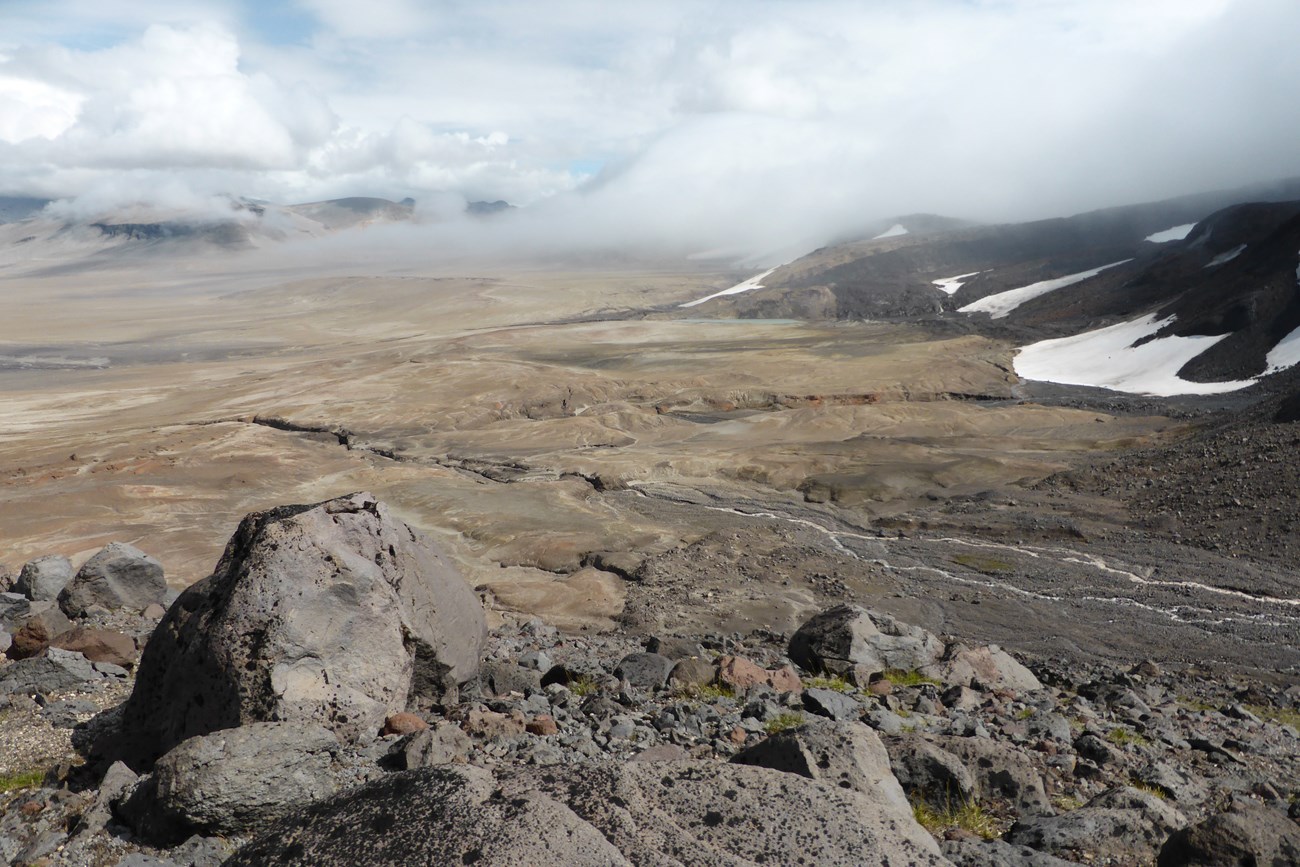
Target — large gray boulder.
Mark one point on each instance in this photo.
(930, 774)
(44, 578)
(607, 813)
(234, 781)
(1119, 826)
(844, 754)
(1247, 833)
(337, 614)
(988, 667)
(841, 638)
(119, 576)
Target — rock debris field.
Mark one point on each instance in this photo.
(333, 694)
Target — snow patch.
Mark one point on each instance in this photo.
(1285, 354)
(1107, 358)
(952, 284)
(1002, 303)
(1226, 257)
(751, 283)
(892, 232)
(1177, 233)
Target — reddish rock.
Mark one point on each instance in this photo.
(490, 724)
(153, 611)
(99, 645)
(403, 724)
(543, 724)
(881, 687)
(785, 679)
(737, 735)
(740, 674)
(28, 642)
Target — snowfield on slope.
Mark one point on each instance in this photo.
(952, 284)
(1177, 233)
(751, 283)
(1107, 358)
(892, 232)
(1002, 303)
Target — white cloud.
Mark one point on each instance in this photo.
(761, 122)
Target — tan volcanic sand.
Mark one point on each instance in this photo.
(472, 380)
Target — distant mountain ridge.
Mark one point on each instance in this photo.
(1221, 265)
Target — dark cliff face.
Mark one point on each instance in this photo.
(144, 231)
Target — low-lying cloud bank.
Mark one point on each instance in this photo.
(770, 126)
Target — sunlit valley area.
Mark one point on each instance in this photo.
(539, 433)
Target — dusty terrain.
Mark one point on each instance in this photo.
(591, 463)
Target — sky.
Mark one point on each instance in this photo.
(722, 125)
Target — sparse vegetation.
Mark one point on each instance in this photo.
(983, 563)
(1195, 704)
(898, 677)
(1025, 713)
(1281, 715)
(970, 816)
(1150, 789)
(25, 780)
(707, 692)
(583, 685)
(830, 681)
(781, 722)
(1122, 737)
(1066, 803)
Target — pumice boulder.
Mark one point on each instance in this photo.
(337, 614)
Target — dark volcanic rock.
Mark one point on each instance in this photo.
(336, 614)
(1126, 826)
(1248, 833)
(605, 813)
(119, 576)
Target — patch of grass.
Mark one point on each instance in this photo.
(1025, 713)
(1195, 704)
(25, 780)
(1077, 725)
(707, 692)
(898, 677)
(830, 681)
(970, 816)
(1143, 786)
(1281, 715)
(983, 563)
(1122, 737)
(781, 722)
(583, 685)
(1066, 803)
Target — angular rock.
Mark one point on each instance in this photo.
(832, 704)
(1247, 833)
(692, 672)
(930, 774)
(998, 853)
(337, 614)
(44, 623)
(42, 579)
(502, 678)
(234, 781)
(117, 781)
(1124, 825)
(845, 636)
(607, 813)
(646, 672)
(442, 744)
(13, 608)
(846, 755)
(55, 671)
(740, 674)
(119, 576)
(1001, 770)
(99, 645)
(985, 668)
